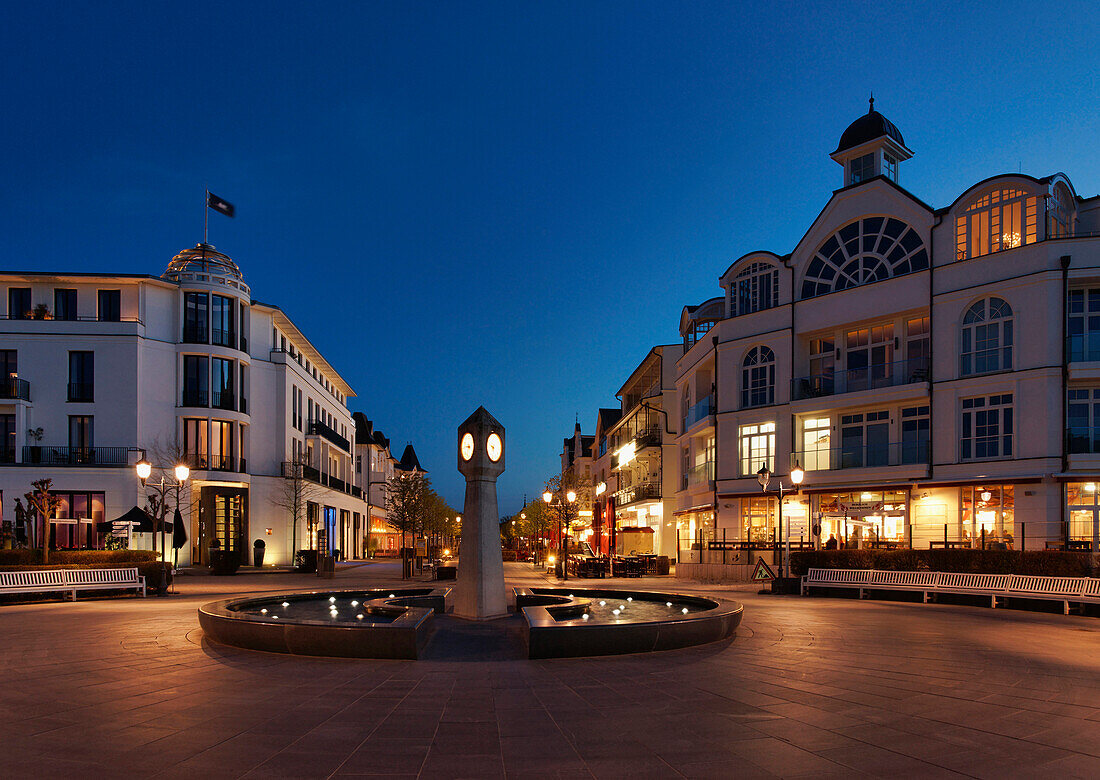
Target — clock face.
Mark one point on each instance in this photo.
(467, 449)
(493, 447)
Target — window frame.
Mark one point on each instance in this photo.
(969, 439)
(977, 322)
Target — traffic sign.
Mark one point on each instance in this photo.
(762, 571)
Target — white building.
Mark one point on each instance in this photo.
(185, 366)
(936, 371)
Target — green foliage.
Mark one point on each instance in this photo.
(70, 558)
(1047, 563)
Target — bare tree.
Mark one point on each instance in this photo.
(296, 494)
(406, 502)
(46, 503)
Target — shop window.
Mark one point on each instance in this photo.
(1083, 325)
(757, 444)
(758, 378)
(987, 336)
(758, 519)
(988, 513)
(1083, 419)
(74, 525)
(987, 424)
(996, 221)
(1083, 499)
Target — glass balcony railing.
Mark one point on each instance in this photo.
(1082, 440)
(900, 372)
(643, 491)
(897, 453)
(700, 474)
(699, 411)
(317, 428)
(1083, 348)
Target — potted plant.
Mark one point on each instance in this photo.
(41, 312)
(35, 434)
(258, 547)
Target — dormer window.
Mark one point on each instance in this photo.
(862, 169)
(996, 221)
(755, 287)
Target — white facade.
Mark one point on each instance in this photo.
(936, 372)
(183, 367)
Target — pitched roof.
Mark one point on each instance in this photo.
(409, 461)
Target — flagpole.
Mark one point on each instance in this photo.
(206, 218)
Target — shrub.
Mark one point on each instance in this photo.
(71, 558)
(305, 561)
(1049, 563)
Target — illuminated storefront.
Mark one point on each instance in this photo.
(1083, 513)
(864, 519)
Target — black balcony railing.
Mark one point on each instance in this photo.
(337, 484)
(192, 397)
(293, 470)
(643, 491)
(317, 428)
(13, 387)
(223, 338)
(75, 456)
(223, 399)
(195, 335)
(83, 392)
(900, 372)
(214, 462)
(895, 453)
(222, 463)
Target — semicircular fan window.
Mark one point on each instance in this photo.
(867, 250)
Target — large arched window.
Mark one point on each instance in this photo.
(998, 220)
(986, 338)
(755, 287)
(758, 377)
(1059, 212)
(867, 250)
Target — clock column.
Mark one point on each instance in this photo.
(479, 589)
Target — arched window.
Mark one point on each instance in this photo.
(986, 338)
(999, 220)
(754, 288)
(867, 250)
(1059, 212)
(758, 378)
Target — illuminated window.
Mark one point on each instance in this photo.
(1084, 509)
(755, 287)
(868, 250)
(986, 338)
(816, 443)
(757, 447)
(986, 427)
(757, 523)
(758, 378)
(998, 220)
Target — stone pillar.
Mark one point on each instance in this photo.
(479, 589)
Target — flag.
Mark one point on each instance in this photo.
(219, 205)
(179, 531)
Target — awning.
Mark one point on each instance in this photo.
(697, 508)
(137, 520)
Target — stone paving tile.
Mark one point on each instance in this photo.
(809, 687)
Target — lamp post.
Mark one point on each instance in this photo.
(764, 476)
(160, 505)
(564, 507)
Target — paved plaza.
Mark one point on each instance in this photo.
(809, 687)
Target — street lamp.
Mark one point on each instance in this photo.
(564, 507)
(159, 502)
(764, 476)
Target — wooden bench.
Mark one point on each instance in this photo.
(1068, 590)
(50, 580)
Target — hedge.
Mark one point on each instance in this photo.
(1043, 563)
(28, 557)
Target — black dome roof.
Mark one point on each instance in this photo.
(868, 127)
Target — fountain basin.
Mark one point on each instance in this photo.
(626, 621)
(383, 623)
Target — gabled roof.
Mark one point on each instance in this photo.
(608, 417)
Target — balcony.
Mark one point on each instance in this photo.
(699, 411)
(7, 455)
(293, 470)
(896, 453)
(317, 428)
(873, 377)
(75, 456)
(81, 392)
(1083, 440)
(193, 397)
(223, 338)
(224, 399)
(643, 491)
(195, 335)
(15, 388)
(214, 462)
(700, 474)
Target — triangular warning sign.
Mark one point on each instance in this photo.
(762, 571)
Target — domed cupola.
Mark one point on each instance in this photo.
(201, 259)
(871, 146)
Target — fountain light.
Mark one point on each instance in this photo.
(684, 610)
(358, 617)
(668, 603)
(274, 617)
(263, 611)
(331, 599)
(355, 603)
(603, 603)
(391, 595)
(286, 603)
(584, 616)
(629, 598)
(622, 606)
(614, 612)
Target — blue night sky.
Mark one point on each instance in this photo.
(503, 204)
